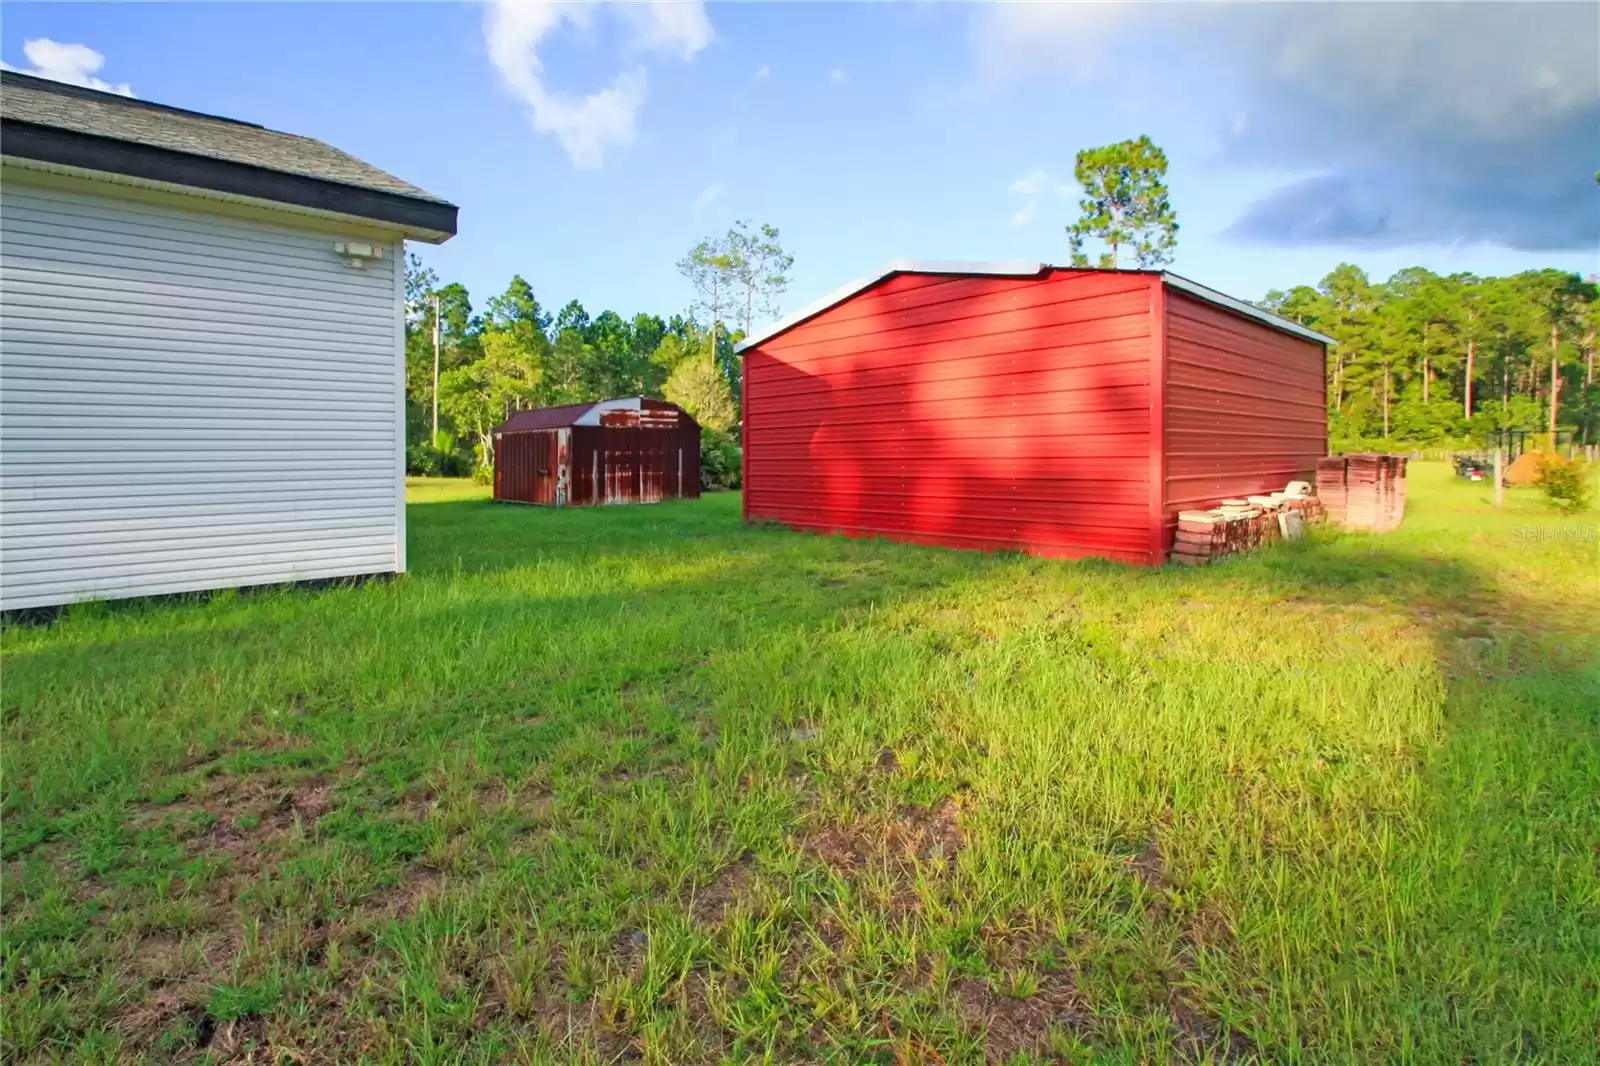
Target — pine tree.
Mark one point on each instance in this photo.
(1125, 205)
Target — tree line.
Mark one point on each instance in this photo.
(467, 370)
(1419, 359)
(1424, 358)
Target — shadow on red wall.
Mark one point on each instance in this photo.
(1033, 451)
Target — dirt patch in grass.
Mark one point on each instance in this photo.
(630, 947)
(240, 819)
(933, 833)
(537, 804)
(1018, 1023)
(159, 957)
(1150, 865)
(1201, 1038)
(712, 903)
(142, 1022)
(573, 1026)
(243, 1040)
(534, 810)
(417, 804)
(249, 812)
(207, 761)
(843, 848)
(695, 998)
(404, 897)
(492, 795)
(179, 1014)
(1208, 927)
(909, 836)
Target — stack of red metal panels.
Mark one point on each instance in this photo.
(1394, 503)
(1363, 486)
(1372, 487)
(1330, 486)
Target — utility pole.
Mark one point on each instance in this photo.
(1499, 473)
(1555, 380)
(433, 442)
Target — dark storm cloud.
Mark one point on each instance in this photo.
(1397, 209)
(1317, 210)
(1414, 123)
(1452, 123)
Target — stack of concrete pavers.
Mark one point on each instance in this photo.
(1240, 524)
(1370, 490)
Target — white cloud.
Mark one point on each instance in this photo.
(837, 76)
(1071, 37)
(75, 64)
(1032, 186)
(763, 73)
(588, 126)
(1037, 181)
(710, 195)
(1411, 123)
(676, 28)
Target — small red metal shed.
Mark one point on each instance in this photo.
(633, 450)
(1063, 412)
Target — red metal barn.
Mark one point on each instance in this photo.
(1063, 412)
(633, 450)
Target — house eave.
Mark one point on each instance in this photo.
(48, 148)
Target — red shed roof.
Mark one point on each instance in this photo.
(1016, 270)
(546, 417)
(585, 414)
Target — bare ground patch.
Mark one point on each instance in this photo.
(238, 815)
(402, 898)
(575, 1026)
(1200, 1037)
(1208, 927)
(711, 904)
(417, 804)
(1150, 865)
(1017, 1023)
(909, 836)
(492, 795)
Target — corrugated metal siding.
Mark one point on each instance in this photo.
(1244, 409)
(525, 466)
(982, 412)
(606, 464)
(188, 401)
(621, 464)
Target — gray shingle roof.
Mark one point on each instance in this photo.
(40, 102)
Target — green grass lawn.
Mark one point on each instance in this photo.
(601, 785)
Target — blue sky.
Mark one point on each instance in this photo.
(1299, 135)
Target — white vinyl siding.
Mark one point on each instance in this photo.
(190, 400)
